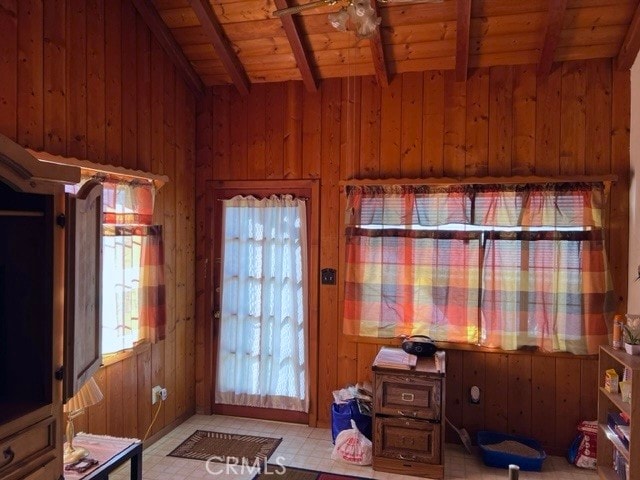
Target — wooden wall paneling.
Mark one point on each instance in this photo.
(169, 235)
(114, 399)
(130, 382)
(572, 129)
(547, 131)
(182, 256)
(433, 124)
(276, 102)
(567, 396)
(238, 110)
(588, 378)
(500, 120)
(331, 346)
(292, 162)
(256, 133)
(221, 132)
(411, 126)
(543, 400)
(519, 395)
(9, 67)
(391, 127)
(619, 199)
(157, 376)
(598, 117)
(77, 79)
(477, 137)
(55, 83)
(311, 134)
(473, 373)
(455, 105)
(95, 25)
(366, 353)
(523, 154)
(129, 86)
(350, 127)
(370, 131)
(143, 92)
(497, 390)
(97, 414)
(204, 157)
(30, 99)
(454, 395)
(145, 411)
(113, 84)
(189, 117)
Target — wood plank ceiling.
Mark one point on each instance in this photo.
(240, 41)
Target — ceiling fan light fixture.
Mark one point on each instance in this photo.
(339, 19)
(364, 17)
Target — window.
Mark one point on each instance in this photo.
(495, 265)
(132, 298)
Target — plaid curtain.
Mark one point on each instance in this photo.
(496, 265)
(128, 212)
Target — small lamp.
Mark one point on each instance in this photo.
(87, 396)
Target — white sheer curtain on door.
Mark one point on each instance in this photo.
(262, 351)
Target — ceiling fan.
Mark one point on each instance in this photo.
(359, 13)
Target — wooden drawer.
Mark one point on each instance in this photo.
(32, 443)
(408, 396)
(407, 440)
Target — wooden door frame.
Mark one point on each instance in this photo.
(311, 190)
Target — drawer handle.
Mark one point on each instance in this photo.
(407, 397)
(407, 414)
(8, 457)
(406, 457)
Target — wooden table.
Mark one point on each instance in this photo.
(111, 452)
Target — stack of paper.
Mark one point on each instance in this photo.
(395, 358)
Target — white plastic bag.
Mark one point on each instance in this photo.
(352, 447)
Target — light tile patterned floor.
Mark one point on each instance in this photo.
(311, 448)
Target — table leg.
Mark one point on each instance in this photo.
(136, 466)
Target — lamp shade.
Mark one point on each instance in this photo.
(88, 395)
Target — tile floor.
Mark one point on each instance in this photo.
(311, 448)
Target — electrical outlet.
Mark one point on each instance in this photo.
(156, 393)
(163, 394)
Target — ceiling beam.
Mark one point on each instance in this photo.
(463, 31)
(162, 33)
(555, 18)
(377, 54)
(221, 45)
(630, 45)
(295, 40)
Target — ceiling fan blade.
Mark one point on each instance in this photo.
(304, 6)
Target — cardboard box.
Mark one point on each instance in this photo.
(611, 381)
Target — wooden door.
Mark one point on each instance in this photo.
(82, 350)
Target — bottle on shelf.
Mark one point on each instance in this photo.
(618, 320)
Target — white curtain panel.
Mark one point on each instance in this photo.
(262, 350)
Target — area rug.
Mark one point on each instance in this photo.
(281, 472)
(227, 447)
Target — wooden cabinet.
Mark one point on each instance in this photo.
(608, 441)
(408, 419)
(33, 292)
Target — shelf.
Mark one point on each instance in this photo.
(616, 399)
(631, 361)
(607, 473)
(613, 438)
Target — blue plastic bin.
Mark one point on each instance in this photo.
(341, 415)
(502, 459)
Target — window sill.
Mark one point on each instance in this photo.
(112, 358)
(396, 342)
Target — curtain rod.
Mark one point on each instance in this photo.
(609, 178)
